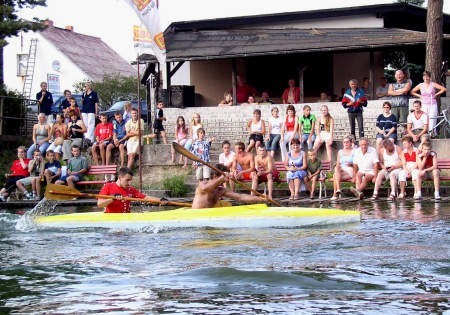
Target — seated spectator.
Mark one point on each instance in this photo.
(343, 170)
(52, 168)
(365, 85)
(181, 137)
(427, 167)
(391, 167)
(264, 170)
(386, 125)
(227, 100)
(77, 167)
(133, 131)
(243, 90)
(354, 100)
(312, 172)
(296, 164)
(226, 159)
(323, 98)
(200, 148)
(75, 133)
(73, 107)
(265, 99)
(103, 136)
(288, 130)
(409, 158)
(250, 101)
(275, 122)
(243, 164)
(42, 132)
(307, 127)
(19, 170)
(381, 91)
(36, 171)
(365, 167)
(417, 122)
(423, 138)
(291, 95)
(256, 127)
(324, 131)
(119, 139)
(59, 134)
(66, 101)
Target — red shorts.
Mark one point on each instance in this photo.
(246, 176)
(263, 178)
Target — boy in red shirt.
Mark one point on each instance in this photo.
(19, 170)
(120, 188)
(103, 136)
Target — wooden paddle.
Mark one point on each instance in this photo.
(61, 192)
(180, 149)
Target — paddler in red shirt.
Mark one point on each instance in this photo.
(19, 170)
(121, 188)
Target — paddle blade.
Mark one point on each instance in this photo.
(60, 192)
(183, 151)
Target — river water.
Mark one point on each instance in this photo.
(396, 261)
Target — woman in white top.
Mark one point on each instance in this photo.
(196, 124)
(275, 123)
(256, 127)
(344, 167)
(324, 131)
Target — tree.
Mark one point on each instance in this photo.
(433, 56)
(11, 24)
(112, 88)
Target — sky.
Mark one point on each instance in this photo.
(113, 20)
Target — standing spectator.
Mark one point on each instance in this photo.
(196, 124)
(77, 167)
(158, 127)
(365, 167)
(200, 148)
(381, 91)
(417, 122)
(296, 164)
(42, 132)
(250, 101)
(365, 86)
(288, 130)
(181, 137)
(59, 134)
(45, 100)
(386, 125)
(275, 122)
(89, 110)
(243, 90)
(399, 96)
(36, 172)
(119, 139)
(324, 131)
(426, 166)
(291, 95)
(227, 100)
(264, 168)
(344, 167)
(265, 99)
(323, 98)
(428, 95)
(103, 137)
(354, 100)
(75, 133)
(52, 168)
(66, 101)
(132, 128)
(127, 107)
(256, 127)
(19, 170)
(226, 159)
(307, 127)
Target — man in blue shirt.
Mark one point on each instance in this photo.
(45, 99)
(119, 139)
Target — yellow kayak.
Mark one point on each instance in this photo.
(256, 215)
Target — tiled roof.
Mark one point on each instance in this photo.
(89, 53)
(229, 43)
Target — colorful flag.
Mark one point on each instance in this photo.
(147, 12)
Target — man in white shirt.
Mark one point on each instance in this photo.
(417, 122)
(365, 164)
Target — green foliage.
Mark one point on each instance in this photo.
(176, 185)
(398, 59)
(112, 88)
(11, 24)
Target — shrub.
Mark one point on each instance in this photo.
(175, 186)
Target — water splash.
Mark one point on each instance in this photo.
(27, 222)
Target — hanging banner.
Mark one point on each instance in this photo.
(148, 13)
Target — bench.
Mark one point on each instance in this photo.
(102, 171)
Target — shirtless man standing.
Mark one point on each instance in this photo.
(243, 166)
(264, 170)
(208, 194)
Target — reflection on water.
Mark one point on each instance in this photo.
(396, 261)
